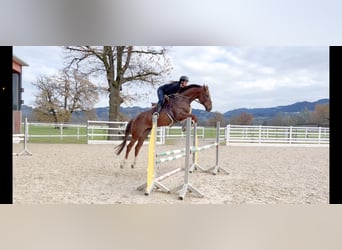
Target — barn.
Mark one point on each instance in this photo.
(17, 65)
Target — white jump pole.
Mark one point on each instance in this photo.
(217, 168)
(187, 187)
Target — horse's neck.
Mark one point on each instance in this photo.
(192, 94)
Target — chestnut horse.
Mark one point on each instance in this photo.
(176, 109)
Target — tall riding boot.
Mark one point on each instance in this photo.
(158, 108)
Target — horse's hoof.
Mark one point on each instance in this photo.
(121, 166)
(132, 166)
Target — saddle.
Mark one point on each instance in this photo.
(167, 106)
(165, 101)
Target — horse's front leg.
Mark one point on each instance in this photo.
(183, 115)
(193, 117)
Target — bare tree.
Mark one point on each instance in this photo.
(121, 65)
(217, 116)
(62, 94)
(321, 114)
(47, 101)
(241, 119)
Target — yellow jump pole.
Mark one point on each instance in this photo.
(151, 171)
(151, 181)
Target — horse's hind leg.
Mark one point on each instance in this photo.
(128, 149)
(139, 145)
(137, 149)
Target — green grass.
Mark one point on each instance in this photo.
(70, 132)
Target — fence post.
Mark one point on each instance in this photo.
(163, 135)
(88, 132)
(26, 128)
(227, 134)
(61, 130)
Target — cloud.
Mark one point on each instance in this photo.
(239, 76)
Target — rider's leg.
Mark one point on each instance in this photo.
(158, 108)
(160, 93)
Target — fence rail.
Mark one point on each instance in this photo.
(104, 132)
(177, 132)
(40, 130)
(277, 134)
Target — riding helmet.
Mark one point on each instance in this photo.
(183, 78)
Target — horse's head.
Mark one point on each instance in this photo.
(205, 99)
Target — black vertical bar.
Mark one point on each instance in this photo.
(335, 177)
(6, 174)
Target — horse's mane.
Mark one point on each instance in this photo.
(181, 90)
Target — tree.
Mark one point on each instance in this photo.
(242, 119)
(304, 117)
(321, 114)
(62, 94)
(282, 119)
(217, 116)
(121, 65)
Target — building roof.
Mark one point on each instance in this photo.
(19, 61)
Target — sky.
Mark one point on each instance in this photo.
(237, 76)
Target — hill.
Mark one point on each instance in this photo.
(258, 113)
(270, 112)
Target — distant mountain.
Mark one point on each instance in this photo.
(270, 112)
(258, 113)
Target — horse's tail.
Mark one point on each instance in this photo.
(121, 146)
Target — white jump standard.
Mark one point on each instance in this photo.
(187, 187)
(22, 137)
(155, 182)
(216, 168)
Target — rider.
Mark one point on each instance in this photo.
(170, 88)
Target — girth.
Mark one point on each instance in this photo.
(171, 116)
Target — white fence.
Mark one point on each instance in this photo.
(55, 130)
(104, 132)
(277, 135)
(177, 132)
(100, 132)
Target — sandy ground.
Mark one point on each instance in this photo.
(90, 174)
